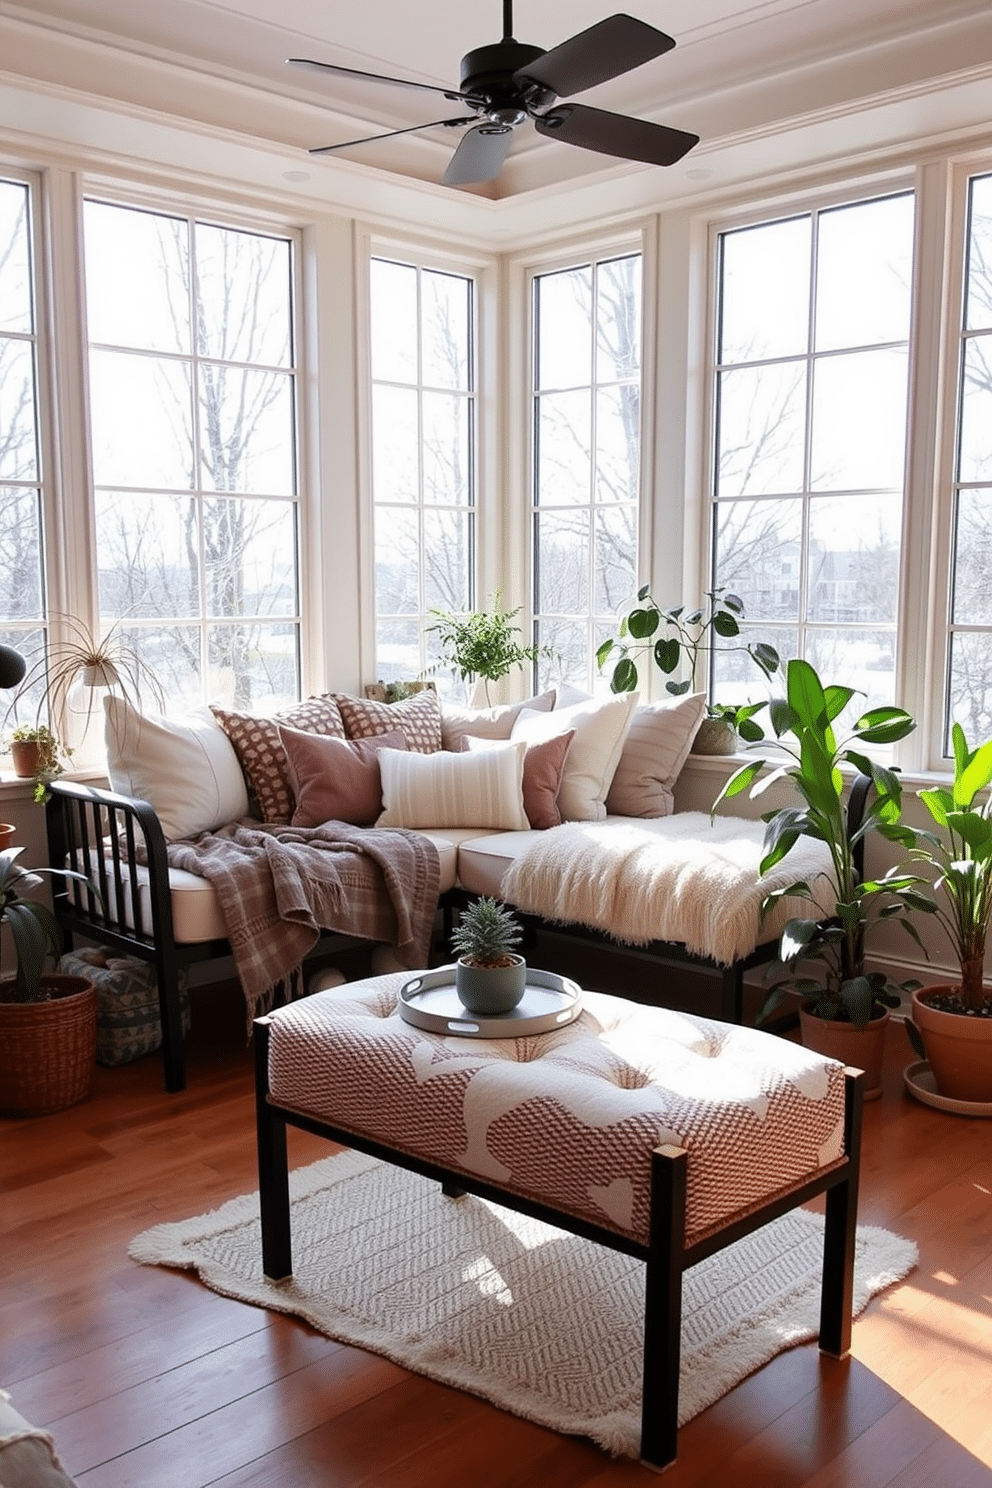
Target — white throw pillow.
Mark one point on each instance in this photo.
(600, 727)
(430, 791)
(658, 740)
(186, 767)
(486, 723)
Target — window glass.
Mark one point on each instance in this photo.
(194, 451)
(970, 631)
(423, 460)
(586, 459)
(810, 385)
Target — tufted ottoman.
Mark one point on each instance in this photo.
(663, 1135)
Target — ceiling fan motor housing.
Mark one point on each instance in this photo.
(487, 73)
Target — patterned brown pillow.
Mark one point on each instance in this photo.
(263, 758)
(418, 717)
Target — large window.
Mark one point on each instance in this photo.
(969, 660)
(586, 460)
(423, 458)
(810, 393)
(22, 588)
(193, 435)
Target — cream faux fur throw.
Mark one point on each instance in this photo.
(683, 878)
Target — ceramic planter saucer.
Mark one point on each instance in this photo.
(920, 1083)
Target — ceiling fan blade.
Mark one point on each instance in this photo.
(374, 77)
(479, 156)
(369, 138)
(611, 47)
(615, 134)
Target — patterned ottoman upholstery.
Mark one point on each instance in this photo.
(569, 1118)
(128, 1022)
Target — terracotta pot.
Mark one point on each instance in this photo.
(6, 835)
(26, 757)
(715, 736)
(863, 1048)
(959, 1047)
(47, 1049)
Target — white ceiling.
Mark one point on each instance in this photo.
(744, 76)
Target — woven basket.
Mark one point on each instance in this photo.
(47, 1049)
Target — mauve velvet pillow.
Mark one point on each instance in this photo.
(543, 766)
(336, 779)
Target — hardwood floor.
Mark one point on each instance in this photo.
(148, 1379)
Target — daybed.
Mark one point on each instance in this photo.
(564, 812)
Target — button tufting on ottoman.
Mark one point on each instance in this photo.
(654, 1132)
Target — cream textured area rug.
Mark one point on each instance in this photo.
(535, 1320)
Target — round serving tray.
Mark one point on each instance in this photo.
(430, 1001)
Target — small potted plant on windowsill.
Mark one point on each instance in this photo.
(47, 1020)
(484, 645)
(951, 1027)
(490, 977)
(685, 636)
(37, 754)
(841, 1002)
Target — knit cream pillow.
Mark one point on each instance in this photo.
(429, 791)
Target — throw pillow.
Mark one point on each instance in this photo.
(184, 767)
(419, 718)
(335, 779)
(543, 767)
(458, 724)
(658, 740)
(431, 791)
(262, 756)
(599, 728)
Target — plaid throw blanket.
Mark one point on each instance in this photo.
(278, 887)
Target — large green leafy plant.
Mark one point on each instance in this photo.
(846, 906)
(685, 635)
(961, 855)
(33, 928)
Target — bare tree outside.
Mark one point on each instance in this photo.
(970, 631)
(811, 395)
(423, 440)
(587, 333)
(193, 433)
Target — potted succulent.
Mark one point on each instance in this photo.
(685, 636)
(952, 1023)
(842, 1002)
(490, 977)
(47, 1021)
(483, 645)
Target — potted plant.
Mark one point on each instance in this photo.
(483, 645)
(842, 1002)
(490, 977)
(74, 664)
(47, 1021)
(685, 636)
(951, 1025)
(37, 754)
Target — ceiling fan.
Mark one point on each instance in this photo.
(508, 82)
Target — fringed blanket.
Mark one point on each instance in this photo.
(278, 887)
(680, 878)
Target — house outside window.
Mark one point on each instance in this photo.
(193, 427)
(586, 443)
(423, 380)
(810, 404)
